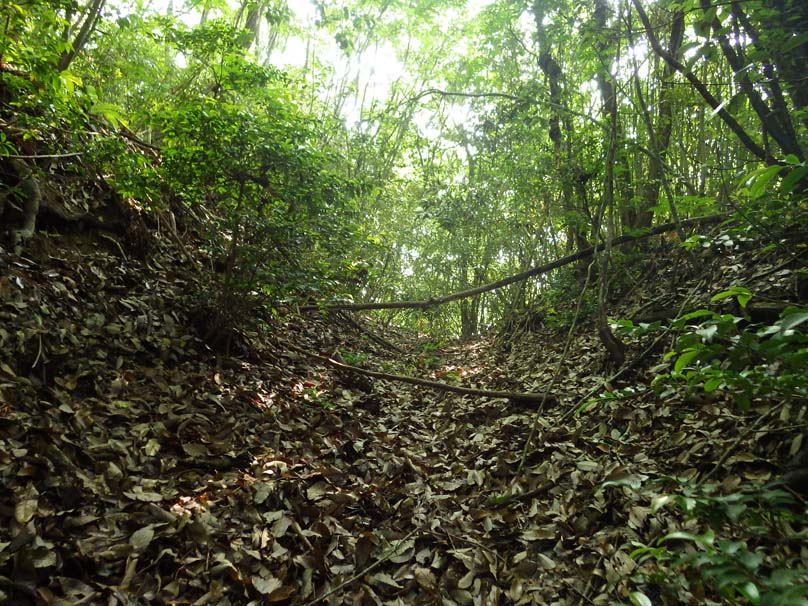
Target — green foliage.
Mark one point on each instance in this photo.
(355, 359)
(722, 354)
(421, 193)
(558, 305)
(711, 564)
(247, 153)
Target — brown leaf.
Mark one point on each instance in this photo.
(141, 539)
(25, 509)
(364, 547)
(266, 585)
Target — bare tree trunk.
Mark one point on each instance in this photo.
(776, 124)
(89, 19)
(659, 138)
(606, 211)
(576, 240)
(728, 119)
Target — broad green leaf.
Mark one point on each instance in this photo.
(640, 599)
(790, 321)
(742, 294)
(712, 384)
(750, 591)
(794, 176)
(705, 540)
(759, 180)
(659, 501)
(699, 313)
(684, 359)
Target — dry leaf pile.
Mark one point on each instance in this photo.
(136, 470)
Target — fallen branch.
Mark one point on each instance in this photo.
(536, 271)
(468, 391)
(372, 335)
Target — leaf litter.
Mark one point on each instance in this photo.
(137, 470)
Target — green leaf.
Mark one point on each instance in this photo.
(793, 177)
(705, 540)
(699, 313)
(750, 591)
(742, 294)
(712, 384)
(639, 599)
(794, 42)
(790, 321)
(659, 501)
(759, 180)
(110, 112)
(684, 359)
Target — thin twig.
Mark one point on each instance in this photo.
(468, 391)
(386, 556)
(637, 359)
(42, 156)
(114, 241)
(741, 437)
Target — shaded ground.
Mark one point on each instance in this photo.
(140, 468)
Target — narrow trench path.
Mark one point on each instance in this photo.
(441, 462)
(138, 469)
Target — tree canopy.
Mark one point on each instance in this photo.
(413, 150)
(455, 169)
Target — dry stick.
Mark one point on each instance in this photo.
(530, 273)
(115, 242)
(589, 582)
(743, 435)
(43, 156)
(386, 556)
(380, 340)
(510, 395)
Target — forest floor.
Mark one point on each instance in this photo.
(138, 467)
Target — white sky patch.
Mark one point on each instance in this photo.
(375, 71)
(370, 74)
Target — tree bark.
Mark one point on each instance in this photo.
(660, 137)
(90, 19)
(776, 124)
(718, 107)
(515, 396)
(559, 127)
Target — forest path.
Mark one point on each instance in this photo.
(140, 469)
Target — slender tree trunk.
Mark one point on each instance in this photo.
(89, 21)
(552, 71)
(718, 107)
(791, 17)
(776, 124)
(606, 211)
(659, 138)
